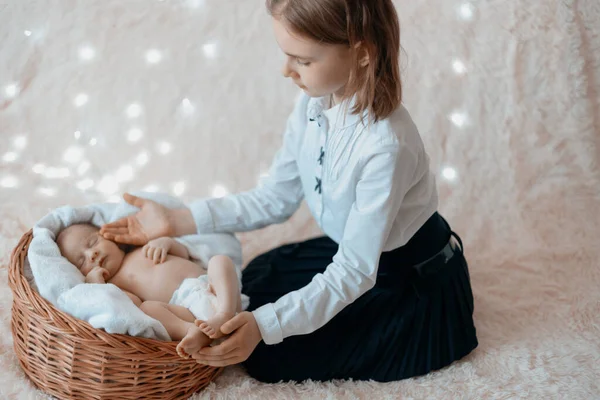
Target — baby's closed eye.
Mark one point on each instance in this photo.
(93, 240)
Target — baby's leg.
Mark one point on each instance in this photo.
(224, 282)
(179, 323)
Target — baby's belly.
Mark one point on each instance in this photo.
(140, 276)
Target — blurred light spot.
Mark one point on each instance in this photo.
(164, 147)
(466, 11)
(9, 182)
(134, 110)
(37, 35)
(178, 188)
(458, 119)
(153, 56)
(10, 156)
(134, 134)
(11, 90)
(108, 185)
(85, 184)
(38, 168)
(73, 154)
(219, 191)
(86, 53)
(27, 33)
(20, 142)
(77, 135)
(142, 158)
(80, 100)
(93, 141)
(83, 167)
(48, 191)
(210, 50)
(449, 173)
(459, 67)
(187, 107)
(151, 189)
(55, 173)
(125, 173)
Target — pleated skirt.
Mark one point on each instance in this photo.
(408, 325)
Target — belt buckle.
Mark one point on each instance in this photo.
(450, 249)
(447, 252)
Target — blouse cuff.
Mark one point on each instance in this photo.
(267, 321)
(202, 216)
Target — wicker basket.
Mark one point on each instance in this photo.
(69, 359)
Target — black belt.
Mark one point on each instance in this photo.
(438, 260)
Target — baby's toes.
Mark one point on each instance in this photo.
(181, 352)
(207, 329)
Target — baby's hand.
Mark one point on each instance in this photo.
(158, 249)
(97, 275)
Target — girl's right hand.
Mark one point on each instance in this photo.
(152, 221)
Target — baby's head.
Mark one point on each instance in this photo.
(342, 47)
(83, 246)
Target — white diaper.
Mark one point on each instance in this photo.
(194, 294)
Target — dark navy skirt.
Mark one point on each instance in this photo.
(412, 322)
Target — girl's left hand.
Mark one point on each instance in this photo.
(152, 221)
(237, 347)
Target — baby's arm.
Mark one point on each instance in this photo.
(179, 250)
(99, 274)
(158, 249)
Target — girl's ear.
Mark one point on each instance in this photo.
(363, 55)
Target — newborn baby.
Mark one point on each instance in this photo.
(161, 280)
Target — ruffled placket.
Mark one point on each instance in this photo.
(317, 117)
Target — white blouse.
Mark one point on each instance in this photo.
(368, 187)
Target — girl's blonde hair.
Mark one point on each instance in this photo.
(371, 23)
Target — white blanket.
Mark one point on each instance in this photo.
(105, 306)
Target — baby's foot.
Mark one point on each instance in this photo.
(212, 326)
(193, 341)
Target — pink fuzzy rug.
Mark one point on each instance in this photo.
(184, 96)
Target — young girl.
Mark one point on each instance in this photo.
(386, 294)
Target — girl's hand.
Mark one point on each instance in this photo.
(237, 347)
(97, 275)
(152, 221)
(158, 249)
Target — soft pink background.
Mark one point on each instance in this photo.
(518, 122)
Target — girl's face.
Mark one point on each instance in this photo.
(318, 69)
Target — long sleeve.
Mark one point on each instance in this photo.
(382, 185)
(273, 201)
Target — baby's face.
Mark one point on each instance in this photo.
(83, 246)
